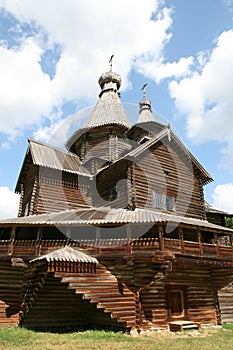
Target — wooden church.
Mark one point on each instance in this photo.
(113, 232)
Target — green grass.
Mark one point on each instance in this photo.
(207, 339)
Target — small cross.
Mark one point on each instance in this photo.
(110, 61)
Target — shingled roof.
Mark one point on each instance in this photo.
(107, 216)
(145, 112)
(50, 157)
(67, 254)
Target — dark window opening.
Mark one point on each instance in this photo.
(144, 139)
(53, 233)
(26, 233)
(5, 233)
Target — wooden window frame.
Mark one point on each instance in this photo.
(163, 201)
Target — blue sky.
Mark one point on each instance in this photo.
(53, 52)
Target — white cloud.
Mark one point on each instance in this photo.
(206, 97)
(223, 197)
(24, 89)
(88, 33)
(9, 203)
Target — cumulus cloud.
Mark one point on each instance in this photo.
(9, 203)
(25, 90)
(87, 34)
(223, 197)
(206, 97)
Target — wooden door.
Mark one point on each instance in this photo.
(176, 307)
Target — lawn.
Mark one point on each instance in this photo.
(208, 339)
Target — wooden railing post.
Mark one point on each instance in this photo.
(216, 243)
(11, 245)
(38, 241)
(97, 240)
(199, 241)
(181, 236)
(129, 238)
(161, 238)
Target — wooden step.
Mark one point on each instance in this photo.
(179, 326)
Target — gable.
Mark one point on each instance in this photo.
(43, 155)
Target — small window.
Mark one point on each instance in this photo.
(170, 202)
(144, 139)
(158, 200)
(163, 201)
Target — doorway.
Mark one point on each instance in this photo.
(176, 303)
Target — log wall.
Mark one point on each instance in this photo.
(58, 192)
(225, 297)
(114, 178)
(106, 142)
(11, 282)
(200, 297)
(74, 300)
(165, 171)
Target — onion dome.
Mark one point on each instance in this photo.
(109, 80)
(109, 109)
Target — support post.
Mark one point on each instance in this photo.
(216, 244)
(199, 241)
(161, 238)
(129, 238)
(11, 245)
(38, 240)
(181, 236)
(97, 240)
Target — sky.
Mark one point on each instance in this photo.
(53, 52)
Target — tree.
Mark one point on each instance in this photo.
(229, 222)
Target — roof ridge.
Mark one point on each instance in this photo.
(52, 147)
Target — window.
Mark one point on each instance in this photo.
(170, 202)
(158, 200)
(144, 139)
(163, 201)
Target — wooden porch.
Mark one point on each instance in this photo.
(142, 246)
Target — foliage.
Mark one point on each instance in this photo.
(206, 339)
(229, 222)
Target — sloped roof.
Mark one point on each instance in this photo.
(67, 254)
(50, 157)
(108, 110)
(107, 216)
(210, 209)
(55, 158)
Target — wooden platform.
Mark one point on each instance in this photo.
(179, 326)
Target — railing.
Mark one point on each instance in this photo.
(118, 246)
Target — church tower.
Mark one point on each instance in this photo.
(102, 140)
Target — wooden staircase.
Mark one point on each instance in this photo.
(103, 289)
